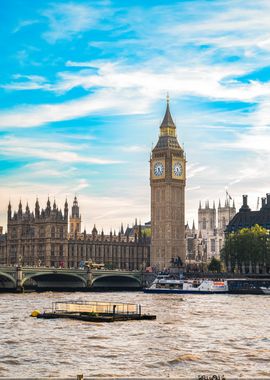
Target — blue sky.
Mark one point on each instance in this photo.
(83, 87)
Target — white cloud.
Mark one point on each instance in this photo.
(134, 148)
(69, 19)
(125, 90)
(23, 24)
(48, 150)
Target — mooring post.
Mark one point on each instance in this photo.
(19, 278)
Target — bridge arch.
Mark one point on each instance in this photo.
(8, 278)
(56, 279)
(116, 281)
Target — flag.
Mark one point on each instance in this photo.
(228, 195)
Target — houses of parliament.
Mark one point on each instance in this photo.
(53, 238)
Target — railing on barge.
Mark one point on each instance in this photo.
(96, 307)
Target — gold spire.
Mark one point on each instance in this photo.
(167, 127)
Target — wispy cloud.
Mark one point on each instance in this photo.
(48, 150)
(67, 20)
(25, 23)
(125, 90)
(135, 148)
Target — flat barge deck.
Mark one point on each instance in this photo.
(94, 311)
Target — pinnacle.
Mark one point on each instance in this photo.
(167, 120)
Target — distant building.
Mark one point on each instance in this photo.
(247, 218)
(207, 241)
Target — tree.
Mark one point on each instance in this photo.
(247, 247)
(215, 265)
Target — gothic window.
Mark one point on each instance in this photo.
(204, 224)
(61, 233)
(42, 232)
(14, 233)
(223, 222)
(213, 245)
(53, 232)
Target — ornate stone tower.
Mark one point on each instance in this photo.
(207, 219)
(167, 180)
(75, 218)
(225, 214)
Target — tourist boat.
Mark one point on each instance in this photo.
(165, 285)
(265, 290)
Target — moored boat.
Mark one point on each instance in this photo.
(265, 290)
(166, 285)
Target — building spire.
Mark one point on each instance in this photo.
(167, 120)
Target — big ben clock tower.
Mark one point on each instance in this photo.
(168, 180)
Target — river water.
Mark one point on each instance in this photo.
(193, 335)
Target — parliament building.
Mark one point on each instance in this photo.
(41, 238)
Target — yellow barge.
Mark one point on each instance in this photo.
(94, 311)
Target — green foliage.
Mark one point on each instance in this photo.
(215, 265)
(248, 246)
(147, 231)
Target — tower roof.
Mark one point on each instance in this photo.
(167, 120)
(167, 138)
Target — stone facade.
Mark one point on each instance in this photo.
(167, 180)
(37, 238)
(41, 238)
(207, 241)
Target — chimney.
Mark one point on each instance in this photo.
(268, 199)
(263, 202)
(245, 204)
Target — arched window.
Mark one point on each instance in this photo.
(61, 232)
(14, 233)
(204, 224)
(53, 233)
(42, 232)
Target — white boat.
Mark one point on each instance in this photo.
(265, 290)
(165, 284)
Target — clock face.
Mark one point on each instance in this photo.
(178, 169)
(158, 169)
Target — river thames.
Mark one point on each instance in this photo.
(193, 335)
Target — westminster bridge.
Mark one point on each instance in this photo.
(20, 278)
